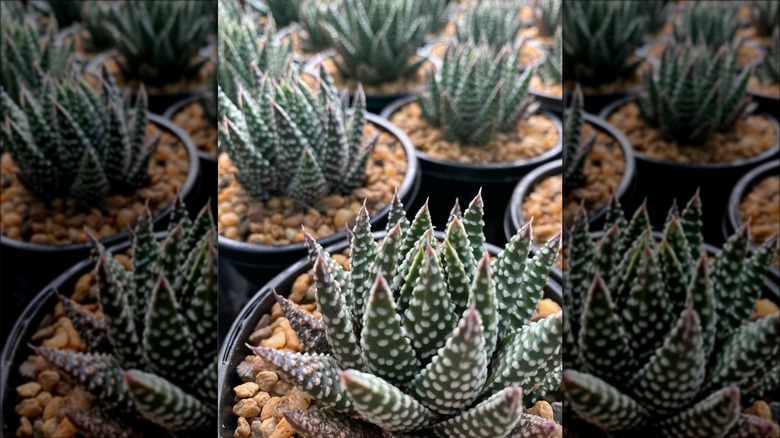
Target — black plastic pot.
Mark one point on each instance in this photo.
(28, 267)
(766, 102)
(374, 103)
(667, 180)
(233, 350)
(207, 191)
(158, 103)
(245, 267)
(443, 181)
(548, 102)
(732, 219)
(16, 350)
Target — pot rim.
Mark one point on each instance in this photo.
(233, 341)
(408, 184)
(457, 167)
(614, 105)
(310, 67)
(186, 190)
(14, 346)
(745, 183)
(178, 106)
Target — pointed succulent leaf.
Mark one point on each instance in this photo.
(362, 253)
(674, 374)
(313, 423)
(496, 416)
(459, 240)
(336, 317)
(532, 426)
(527, 356)
(509, 268)
(386, 348)
(725, 274)
(600, 403)
(314, 374)
(474, 225)
(751, 426)
(167, 342)
(146, 254)
(100, 374)
(603, 344)
(92, 330)
(382, 403)
(387, 254)
(713, 416)
(164, 403)
(397, 215)
(753, 274)
(309, 329)
(456, 374)
(751, 349)
(534, 280)
(458, 283)
(429, 319)
(483, 298)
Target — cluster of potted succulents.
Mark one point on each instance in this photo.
(86, 164)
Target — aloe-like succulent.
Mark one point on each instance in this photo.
(575, 148)
(152, 354)
(286, 140)
(376, 41)
(694, 94)
(494, 22)
(158, 42)
(769, 70)
(548, 16)
(284, 12)
(312, 16)
(766, 15)
(551, 69)
(70, 140)
(600, 40)
(94, 15)
(240, 47)
(424, 336)
(657, 338)
(708, 23)
(12, 10)
(28, 58)
(478, 93)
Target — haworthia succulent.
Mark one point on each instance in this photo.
(411, 366)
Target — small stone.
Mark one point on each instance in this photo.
(11, 219)
(245, 371)
(293, 221)
(58, 341)
(52, 407)
(270, 406)
(259, 335)
(257, 431)
(243, 428)
(297, 399)
(557, 412)
(29, 407)
(266, 380)
(261, 398)
(228, 219)
(342, 218)
(547, 307)
(283, 430)
(541, 409)
(50, 427)
(246, 390)
(65, 429)
(25, 428)
(125, 219)
(48, 379)
(282, 388)
(760, 409)
(246, 408)
(29, 389)
(267, 427)
(276, 341)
